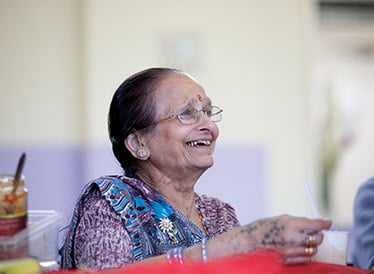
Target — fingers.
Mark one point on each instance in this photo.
(296, 260)
(313, 239)
(308, 235)
(296, 238)
(306, 224)
(297, 255)
(310, 240)
(316, 224)
(300, 251)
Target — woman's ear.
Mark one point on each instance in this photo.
(136, 147)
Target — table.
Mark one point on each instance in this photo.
(261, 262)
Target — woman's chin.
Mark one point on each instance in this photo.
(204, 165)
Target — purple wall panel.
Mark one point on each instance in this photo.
(55, 175)
(240, 176)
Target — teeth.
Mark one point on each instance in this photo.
(202, 142)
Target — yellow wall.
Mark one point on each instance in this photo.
(40, 95)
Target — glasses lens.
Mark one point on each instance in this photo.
(215, 114)
(188, 116)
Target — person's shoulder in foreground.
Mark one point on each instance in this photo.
(363, 253)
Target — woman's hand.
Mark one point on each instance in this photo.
(295, 238)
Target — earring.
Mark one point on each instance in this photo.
(142, 154)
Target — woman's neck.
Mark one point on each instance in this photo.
(179, 193)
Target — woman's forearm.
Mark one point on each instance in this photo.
(284, 234)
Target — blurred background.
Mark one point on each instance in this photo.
(294, 77)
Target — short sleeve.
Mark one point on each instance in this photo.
(220, 216)
(101, 240)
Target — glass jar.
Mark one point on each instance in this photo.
(13, 205)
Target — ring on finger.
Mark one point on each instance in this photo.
(310, 240)
(308, 251)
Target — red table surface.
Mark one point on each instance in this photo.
(250, 263)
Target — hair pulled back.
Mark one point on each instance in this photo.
(133, 108)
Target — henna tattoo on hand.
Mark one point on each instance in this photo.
(272, 236)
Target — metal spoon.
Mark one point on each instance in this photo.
(18, 174)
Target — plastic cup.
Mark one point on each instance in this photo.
(333, 248)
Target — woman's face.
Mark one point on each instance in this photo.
(175, 147)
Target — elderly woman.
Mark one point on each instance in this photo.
(163, 131)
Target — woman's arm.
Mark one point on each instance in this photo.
(102, 242)
(284, 234)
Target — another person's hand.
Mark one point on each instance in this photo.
(296, 239)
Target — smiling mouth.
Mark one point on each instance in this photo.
(199, 143)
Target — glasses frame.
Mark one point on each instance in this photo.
(197, 113)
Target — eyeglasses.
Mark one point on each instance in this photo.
(191, 115)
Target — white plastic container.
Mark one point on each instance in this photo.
(333, 248)
(39, 240)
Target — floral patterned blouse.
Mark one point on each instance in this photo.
(120, 220)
